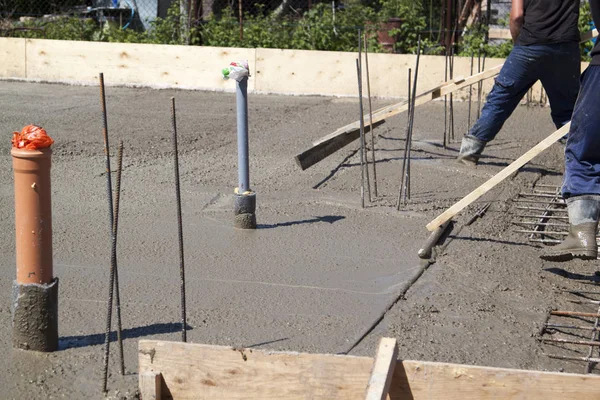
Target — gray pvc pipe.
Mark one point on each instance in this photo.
(242, 135)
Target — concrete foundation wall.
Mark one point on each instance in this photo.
(295, 72)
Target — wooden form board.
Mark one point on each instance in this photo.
(329, 144)
(195, 371)
(12, 58)
(500, 33)
(499, 177)
(129, 63)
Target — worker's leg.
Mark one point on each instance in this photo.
(581, 184)
(582, 154)
(562, 82)
(519, 73)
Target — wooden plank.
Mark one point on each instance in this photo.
(195, 371)
(150, 385)
(329, 144)
(383, 370)
(323, 150)
(589, 35)
(499, 177)
(429, 380)
(333, 73)
(500, 33)
(12, 54)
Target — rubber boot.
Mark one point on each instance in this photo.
(583, 225)
(470, 150)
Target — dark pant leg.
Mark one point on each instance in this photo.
(561, 82)
(519, 73)
(582, 154)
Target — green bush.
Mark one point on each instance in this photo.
(585, 17)
(320, 28)
(473, 43)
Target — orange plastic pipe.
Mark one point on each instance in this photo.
(33, 215)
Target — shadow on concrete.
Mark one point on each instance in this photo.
(75, 342)
(570, 275)
(266, 343)
(472, 239)
(327, 218)
(335, 170)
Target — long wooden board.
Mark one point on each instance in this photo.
(329, 144)
(499, 177)
(196, 371)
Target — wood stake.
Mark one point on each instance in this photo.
(383, 370)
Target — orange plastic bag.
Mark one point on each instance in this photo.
(32, 137)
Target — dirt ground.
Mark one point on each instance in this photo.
(320, 274)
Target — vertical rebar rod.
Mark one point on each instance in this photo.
(402, 178)
(113, 238)
(451, 95)
(114, 250)
(373, 158)
(470, 94)
(479, 85)
(412, 121)
(179, 222)
(445, 98)
(362, 137)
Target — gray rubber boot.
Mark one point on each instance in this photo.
(470, 150)
(583, 225)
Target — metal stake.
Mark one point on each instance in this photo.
(479, 85)
(362, 138)
(405, 184)
(470, 95)
(548, 195)
(402, 175)
(451, 95)
(179, 222)
(578, 327)
(116, 229)
(112, 233)
(568, 341)
(543, 216)
(574, 314)
(371, 118)
(569, 358)
(445, 99)
(362, 117)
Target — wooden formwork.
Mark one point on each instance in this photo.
(195, 371)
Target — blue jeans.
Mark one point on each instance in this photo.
(556, 65)
(582, 154)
